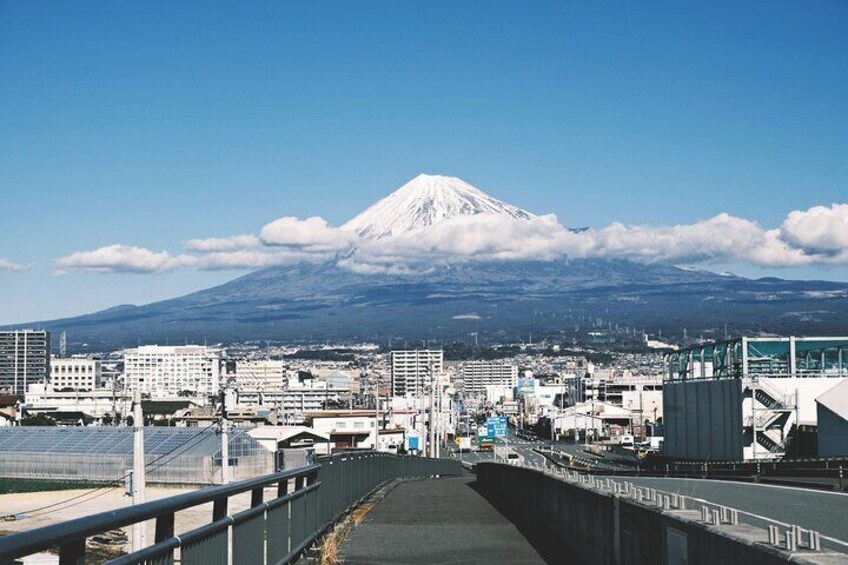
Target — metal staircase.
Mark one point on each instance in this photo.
(772, 409)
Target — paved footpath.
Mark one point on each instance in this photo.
(435, 522)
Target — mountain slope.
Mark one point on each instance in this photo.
(500, 301)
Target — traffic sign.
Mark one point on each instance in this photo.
(496, 426)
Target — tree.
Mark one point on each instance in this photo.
(37, 420)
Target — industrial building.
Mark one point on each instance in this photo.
(412, 370)
(178, 456)
(477, 375)
(24, 359)
(742, 399)
(832, 410)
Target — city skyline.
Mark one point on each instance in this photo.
(130, 129)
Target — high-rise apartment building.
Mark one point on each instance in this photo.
(263, 375)
(412, 370)
(477, 375)
(165, 371)
(75, 373)
(24, 359)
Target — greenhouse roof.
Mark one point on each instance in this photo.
(116, 440)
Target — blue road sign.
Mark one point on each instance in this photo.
(496, 427)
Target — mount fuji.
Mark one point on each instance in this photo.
(497, 300)
(425, 201)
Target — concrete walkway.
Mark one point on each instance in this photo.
(436, 522)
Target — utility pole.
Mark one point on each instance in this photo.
(376, 414)
(225, 440)
(432, 450)
(138, 476)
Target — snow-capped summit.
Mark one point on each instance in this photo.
(424, 201)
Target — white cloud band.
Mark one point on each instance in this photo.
(818, 235)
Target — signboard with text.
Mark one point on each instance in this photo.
(526, 387)
(496, 426)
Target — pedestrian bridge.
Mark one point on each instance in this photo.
(434, 511)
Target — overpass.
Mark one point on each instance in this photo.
(422, 510)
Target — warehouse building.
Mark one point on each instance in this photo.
(743, 399)
(832, 409)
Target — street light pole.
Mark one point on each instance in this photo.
(225, 440)
(376, 414)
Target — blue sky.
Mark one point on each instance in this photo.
(149, 124)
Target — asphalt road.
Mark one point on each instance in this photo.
(826, 512)
(435, 522)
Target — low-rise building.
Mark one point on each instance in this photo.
(46, 399)
(75, 373)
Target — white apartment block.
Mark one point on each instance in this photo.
(164, 371)
(294, 402)
(264, 375)
(477, 375)
(75, 373)
(411, 370)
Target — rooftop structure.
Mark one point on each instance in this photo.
(769, 356)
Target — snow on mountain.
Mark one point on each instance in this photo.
(424, 201)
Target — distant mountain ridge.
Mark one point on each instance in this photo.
(499, 300)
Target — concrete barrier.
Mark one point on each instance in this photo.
(584, 520)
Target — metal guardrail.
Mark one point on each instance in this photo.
(275, 531)
(712, 513)
(812, 474)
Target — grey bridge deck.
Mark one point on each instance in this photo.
(436, 522)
